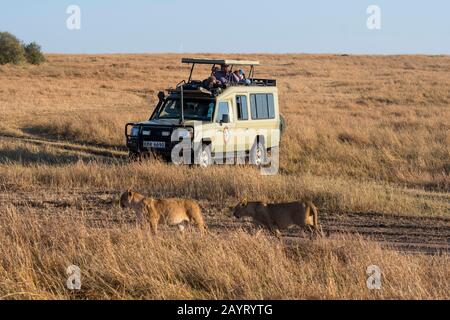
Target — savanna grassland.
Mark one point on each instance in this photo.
(367, 139)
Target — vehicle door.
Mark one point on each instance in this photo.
(225, 124)
(242, 123)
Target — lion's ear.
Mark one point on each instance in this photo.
(244, 201)
(129, 191)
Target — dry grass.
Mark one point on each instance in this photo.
(357, 117)
(222, 185)
(122, 261)
(365, 134)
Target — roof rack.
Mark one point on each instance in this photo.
(192, 84)
(191, 89)
(214, 62)
(263, 82)
(220, 61)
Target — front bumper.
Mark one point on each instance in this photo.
(135, 144)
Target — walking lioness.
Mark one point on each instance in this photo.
(279, 216)
(173, 212)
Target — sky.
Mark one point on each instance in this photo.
(232, 26)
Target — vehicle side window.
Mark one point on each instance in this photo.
(253, 106)
(271, 106)
(242, 109)
(224, 108)
(262, 106)
(210, 111)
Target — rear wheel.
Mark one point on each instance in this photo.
(258, 153)
(203, 156)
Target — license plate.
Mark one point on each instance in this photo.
(154, 144)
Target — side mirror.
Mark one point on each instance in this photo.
(161, 95)
(225, 118)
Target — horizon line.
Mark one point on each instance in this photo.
(247, 53)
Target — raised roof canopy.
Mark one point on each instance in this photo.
(220, 61)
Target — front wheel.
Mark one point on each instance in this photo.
(139, 157)
(133, 156)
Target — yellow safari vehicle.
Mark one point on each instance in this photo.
(226, 118)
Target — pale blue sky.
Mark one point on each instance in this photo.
(237, 26)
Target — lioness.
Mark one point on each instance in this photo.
(279, 216)
(173, 212)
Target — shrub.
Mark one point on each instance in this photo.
(11, 49)
(33, 53)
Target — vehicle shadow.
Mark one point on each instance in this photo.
(40, 132)
(26, 156)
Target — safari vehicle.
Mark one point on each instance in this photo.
(214, 124)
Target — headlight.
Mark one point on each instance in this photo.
(134, 131)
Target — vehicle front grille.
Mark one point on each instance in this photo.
(157, 133)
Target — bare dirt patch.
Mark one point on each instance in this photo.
(403, 233)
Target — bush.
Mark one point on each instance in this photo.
(33, 53)
(11, 49)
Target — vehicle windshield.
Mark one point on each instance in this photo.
(194, 109)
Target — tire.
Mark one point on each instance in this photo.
(166, 158)
(145, 156)
(282, 125)
(203, 156)
(272, 152)
(258, 153)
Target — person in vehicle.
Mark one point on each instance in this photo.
(221, 75)
(214, 70)
(224, 75)
(211, 83)
(240, 76)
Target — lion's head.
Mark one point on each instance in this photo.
(125, 198)
(246, 209)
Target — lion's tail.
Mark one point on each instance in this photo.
(314, 210)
